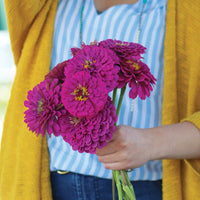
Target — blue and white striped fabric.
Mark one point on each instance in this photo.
(117, 22)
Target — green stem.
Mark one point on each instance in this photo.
(113, 185)
(127, 186)
(122, 172)
(116, 173)
(120, 99)
(118, 184)
(114, 95)
(129, 195)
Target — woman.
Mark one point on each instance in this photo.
(24, 158)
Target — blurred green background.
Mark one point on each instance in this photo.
(7, 68)
(3, 24)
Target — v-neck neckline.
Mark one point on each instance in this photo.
(99, 13)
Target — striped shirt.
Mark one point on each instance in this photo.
(117, 22)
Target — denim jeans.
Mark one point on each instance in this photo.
(74, 186)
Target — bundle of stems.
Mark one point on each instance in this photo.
(120, 177)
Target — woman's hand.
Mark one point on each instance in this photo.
(129, 148)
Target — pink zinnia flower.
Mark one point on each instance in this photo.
(132, 70)
(85, 135)
(124, 49)
(57, 72)
(139, 77)
(99, 62)
(83, 95)
(44, 107)
(75, 50)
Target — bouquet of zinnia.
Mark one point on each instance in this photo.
(73, 99)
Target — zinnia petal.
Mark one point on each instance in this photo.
(57, 72)
(44, 106)
(99, 62)
(84, 95)
(86, 135)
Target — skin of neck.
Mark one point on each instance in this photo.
(102, 5)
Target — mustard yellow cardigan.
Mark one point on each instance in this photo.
(24, 161)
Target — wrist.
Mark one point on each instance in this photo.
(157, 143)
(176, 141)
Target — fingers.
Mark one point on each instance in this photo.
(120, 160)
(110, 148)
(110, 158)
(114, 161)
(115, 166)
(126, 150)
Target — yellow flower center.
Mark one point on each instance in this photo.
(88, 63)
(40, 108)
(86, 66)
(135, 65)
(81, 93)
(122, 44)
(74, 120)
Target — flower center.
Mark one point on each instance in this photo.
(81, 93)
(88, 63)
(122, 44)
(135, 65)
(74, 120)
(40, 108)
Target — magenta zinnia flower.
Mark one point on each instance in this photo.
(124, 49)
(85, 135)
(57, 72)
(44, 107)
(99, 62)
(139, 77)
(84, 95)
(75, 50)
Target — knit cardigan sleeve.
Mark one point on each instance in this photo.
(189, 41)
(24, 160)
(181, 99)
(20, 17)
(181, 95)
(194, 163)
(188, 70)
